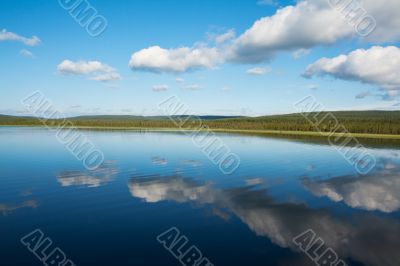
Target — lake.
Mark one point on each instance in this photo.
(151, 182)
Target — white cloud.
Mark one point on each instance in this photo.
(95, 70)
(307, 24)
(377, 66)
(385, 12)
(258, 71)
(26, 53)
(311, 23)
(294, 28)
(157, 59)
(10, 36)
(160, 88)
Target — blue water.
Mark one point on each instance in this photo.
(151, 182)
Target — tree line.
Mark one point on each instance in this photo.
(371, 122)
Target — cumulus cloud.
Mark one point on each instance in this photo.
(311, 23)
(376, 66)
(294, 28)
(157, 59)
(10, 36)
(182, 59)
(258, 71)
(387, 20)
(95, 70)
(307, 24)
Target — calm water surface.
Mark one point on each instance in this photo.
(151, 182)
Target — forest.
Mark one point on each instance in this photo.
(368, 122)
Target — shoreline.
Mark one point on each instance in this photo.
(239, 131)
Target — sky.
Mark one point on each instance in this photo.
(225, 57)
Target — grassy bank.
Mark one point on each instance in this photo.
(237, 131)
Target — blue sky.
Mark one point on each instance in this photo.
(220, 86)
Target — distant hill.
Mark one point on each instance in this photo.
(344, 115)
(371, 122)
(131, 117)
(11, 117)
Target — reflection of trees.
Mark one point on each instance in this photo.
(365, 238)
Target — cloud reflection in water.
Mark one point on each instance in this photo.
(96, 178)
(366, 238)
